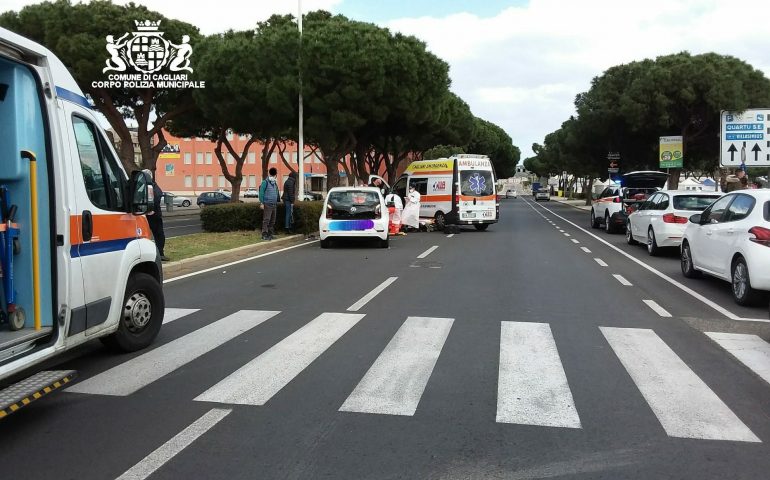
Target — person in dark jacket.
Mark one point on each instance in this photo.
(269, 196)
(289, 197)
(155, 218)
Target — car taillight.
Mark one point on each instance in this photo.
(617, 200)
(328, 211)
(671, 218)
(761, 235)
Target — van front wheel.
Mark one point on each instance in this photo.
(141, 315)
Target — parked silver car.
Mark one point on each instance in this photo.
(177, 200)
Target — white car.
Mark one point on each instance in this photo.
(731, 240)
(542, 194)
(660, 221)
(251, 193)
(612, 205)
(354, 212)
(178, 201)
(511, 194)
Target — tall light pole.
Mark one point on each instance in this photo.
(301, 146)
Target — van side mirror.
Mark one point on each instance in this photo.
(141, 193)
(695, 218)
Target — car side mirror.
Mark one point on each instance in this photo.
(141, 193)
(695, 218)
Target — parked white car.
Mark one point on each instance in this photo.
(612, 206)
(660, 221)
(731, 240)
(354, 212)
(178, 200)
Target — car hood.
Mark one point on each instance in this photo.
(648, 179)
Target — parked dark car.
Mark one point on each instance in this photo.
(212, 198)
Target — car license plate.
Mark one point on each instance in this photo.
(470, 214)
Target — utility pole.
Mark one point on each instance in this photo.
(301, 146)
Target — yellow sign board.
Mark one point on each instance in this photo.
(430, 165)
(671, 152)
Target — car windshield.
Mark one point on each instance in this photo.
(477, 183)
(696, 203)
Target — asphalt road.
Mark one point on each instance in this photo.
(175, 226)
(511, 353)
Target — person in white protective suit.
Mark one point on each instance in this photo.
(411, 214)
(395, 207)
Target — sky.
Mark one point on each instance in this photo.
(520, 63)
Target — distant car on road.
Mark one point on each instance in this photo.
(613, 205)
(660, 221)
(251, 193)
(177, 200)
(511, 193)
(313, 196)
(354, 212)
(212, 198)
(730, 240)
(542, 194)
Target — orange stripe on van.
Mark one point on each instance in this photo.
(436, 198)
(470, 198)
(110, 227)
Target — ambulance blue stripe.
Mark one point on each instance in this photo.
(73, 97)
(95, 248)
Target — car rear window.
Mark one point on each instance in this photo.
(354, 197)
(477, 183)
(693, 202)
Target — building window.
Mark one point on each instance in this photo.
(294, 157)
(308, 158)
(187, 158)
(273, 157)
(221, 181)
(208, 158)
(199, 158)
(209, 181)
(252, 158)
(199, 181)
(252, 180)
(186, 139)
(199, 139)
(230, 158)
(229, 134)
(317, 158)
(188, 181)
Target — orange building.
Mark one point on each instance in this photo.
(189, 166)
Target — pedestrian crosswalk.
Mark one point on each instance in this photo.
(533, 387)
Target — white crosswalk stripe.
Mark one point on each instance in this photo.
(685, 406)
(172, 314)
(130, 376)
(532, 387)
(256, 382)
(751, 350)
(395, 382)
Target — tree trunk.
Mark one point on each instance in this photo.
(589, 190)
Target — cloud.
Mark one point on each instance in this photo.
(523, 67)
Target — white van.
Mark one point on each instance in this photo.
(84, 265)
(459, 190)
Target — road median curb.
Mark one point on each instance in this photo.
(209, 260)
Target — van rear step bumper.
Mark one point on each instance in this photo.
(30, 389)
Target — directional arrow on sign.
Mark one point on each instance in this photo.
(732, 151)
(756, 151)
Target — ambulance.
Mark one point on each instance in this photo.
(459, 190)
(78, 262)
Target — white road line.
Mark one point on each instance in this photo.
(562, 231)
(366, 298)
(149, 464)
(225, 265)
(575, 241)
(727, 313)
(256, 382)
(427, 252)
(685, 406)
(396, 381)
(130, 376)
(585, 249)
(172, 314)
(601, 262)
(532, 387)
(622, 280)
(750, 350)
(450, 235)
(657, 308)
(567, 235)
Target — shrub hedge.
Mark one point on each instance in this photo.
(230, 217)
